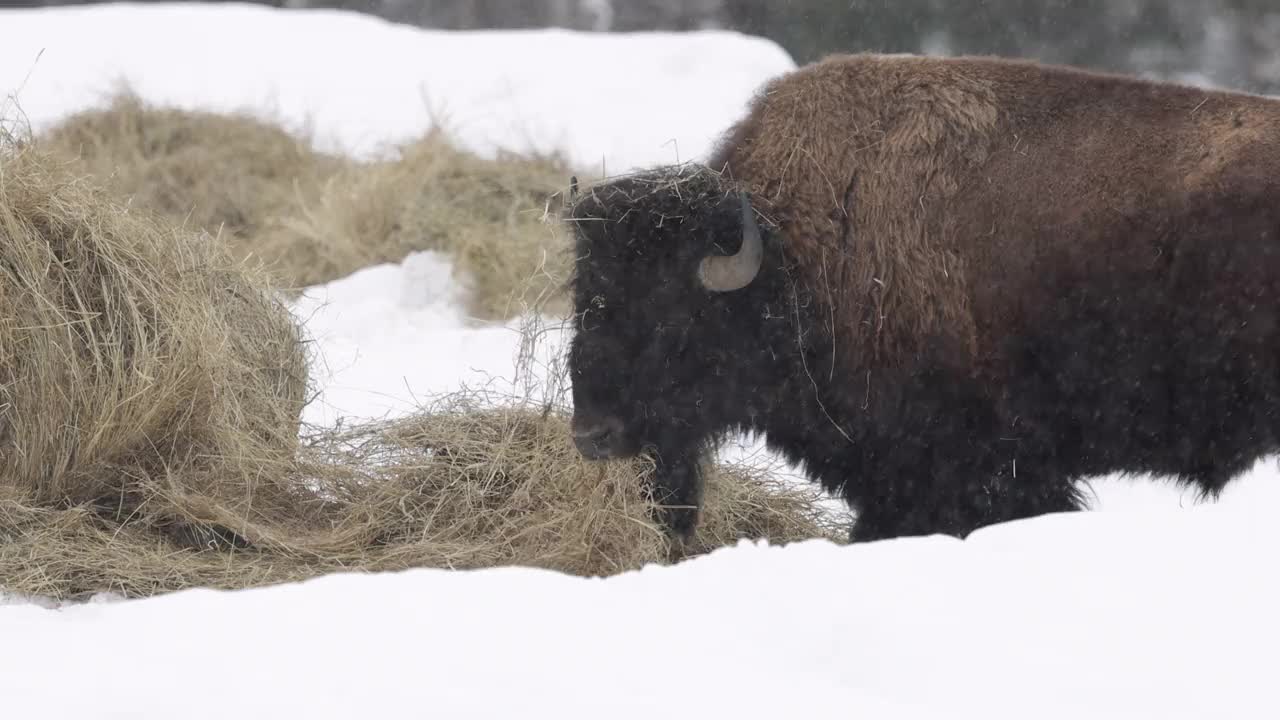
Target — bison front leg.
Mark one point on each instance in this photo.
(677, 488)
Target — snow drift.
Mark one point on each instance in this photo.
(611, 102)
(1093, 616)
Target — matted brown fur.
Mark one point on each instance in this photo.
(908, 182)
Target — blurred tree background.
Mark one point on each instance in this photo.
(1231, 43)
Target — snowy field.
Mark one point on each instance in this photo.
(359, 83)
(1153, 607)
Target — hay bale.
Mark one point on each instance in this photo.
(228, 174)
(490, 215)
(312, 218)
(132, 353)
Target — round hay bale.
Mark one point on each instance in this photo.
(150, 395)
(132, 355)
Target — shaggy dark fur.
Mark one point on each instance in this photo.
(1086, 279)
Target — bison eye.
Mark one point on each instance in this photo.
(598, 302)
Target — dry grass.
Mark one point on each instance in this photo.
(312, 217)
(453, 488)
(150, 390)
(489, 215)
(228, 174)
(129, 349)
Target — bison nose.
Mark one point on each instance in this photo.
(597, 441)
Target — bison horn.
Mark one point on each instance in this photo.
(725, 273)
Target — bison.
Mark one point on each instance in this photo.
(949, 289)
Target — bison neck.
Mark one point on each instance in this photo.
(797, 389)
(862, 430)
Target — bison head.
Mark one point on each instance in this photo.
(668, 289)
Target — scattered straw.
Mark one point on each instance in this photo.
(453, 488)
(488, 215)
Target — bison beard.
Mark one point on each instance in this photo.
(1013, 278)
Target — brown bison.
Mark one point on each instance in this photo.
(949, 288)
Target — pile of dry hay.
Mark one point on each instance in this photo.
(229, 174)
(150, 390)
(313, 217)
(490, 216)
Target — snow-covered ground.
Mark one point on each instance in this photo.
(360, 83)
(1084, 618)
(1152, 608)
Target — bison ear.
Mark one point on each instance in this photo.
(726, 273)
